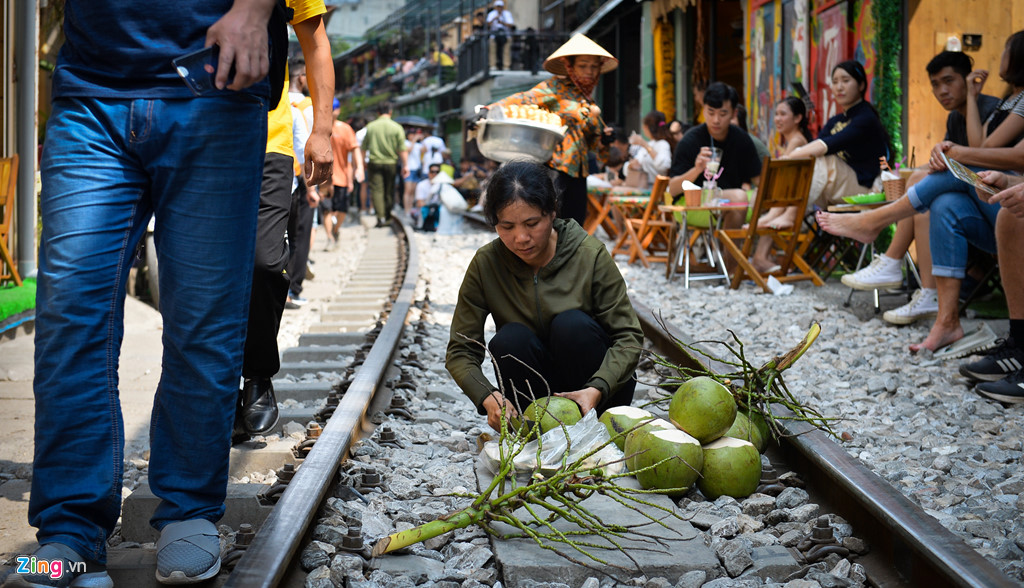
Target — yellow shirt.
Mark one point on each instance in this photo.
(279, 122)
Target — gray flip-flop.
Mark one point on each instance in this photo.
(980, 339)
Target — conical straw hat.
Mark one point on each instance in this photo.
(579, 45)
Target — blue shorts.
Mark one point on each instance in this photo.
(415, 175)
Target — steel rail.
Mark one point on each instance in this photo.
(901, 533)
(266, 561)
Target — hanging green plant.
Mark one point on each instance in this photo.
(888, 91)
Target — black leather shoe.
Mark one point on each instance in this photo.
(258, 408)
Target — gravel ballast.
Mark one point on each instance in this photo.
(911, 419)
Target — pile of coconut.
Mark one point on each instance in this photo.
(707, 440)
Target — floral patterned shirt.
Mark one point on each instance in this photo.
(560, 95)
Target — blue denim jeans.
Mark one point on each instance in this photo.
(958, 218)
(107, 166)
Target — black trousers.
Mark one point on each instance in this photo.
(269, 282)
(572, 192)
(300, 227)
(530, 368)
(381, 178)
(500, 40)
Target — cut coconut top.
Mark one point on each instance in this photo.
(727, 442)
(629, 411)
(660, 424)
(675, 436)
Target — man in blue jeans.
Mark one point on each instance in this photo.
(126, 139)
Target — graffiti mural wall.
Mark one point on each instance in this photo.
(766, 74)
(793, 45)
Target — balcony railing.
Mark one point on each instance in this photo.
(525, 51)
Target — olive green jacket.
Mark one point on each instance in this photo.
(582, 275)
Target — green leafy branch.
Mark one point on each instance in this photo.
(756, 389)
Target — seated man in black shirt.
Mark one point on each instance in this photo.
(740, 166)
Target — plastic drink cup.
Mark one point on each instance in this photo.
(707, 192)
(715, 161)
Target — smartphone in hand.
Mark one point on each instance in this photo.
(199, 69)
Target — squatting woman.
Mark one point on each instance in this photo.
(564, 323)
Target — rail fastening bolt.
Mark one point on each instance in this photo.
(286, 473)
(245, 535)
(370, 478)
(822, 531)
(313, 430)
(353, 539)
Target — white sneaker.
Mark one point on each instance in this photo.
(923, 304)
(884, 272)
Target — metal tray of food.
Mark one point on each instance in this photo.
(517, 140)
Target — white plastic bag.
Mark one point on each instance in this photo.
(579, 440)
(452, 200)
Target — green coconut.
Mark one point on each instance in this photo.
(744, 428)
(620, 419)
(634, 444)
(552, 412)
(676, 457)
(732, 467)
(762, 426)
(703, 408)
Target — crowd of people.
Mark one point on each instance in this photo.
(948, 217)
(953, 223)
(403, 171)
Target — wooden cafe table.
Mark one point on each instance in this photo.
(600, 208)
(680, 252)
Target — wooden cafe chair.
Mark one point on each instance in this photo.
(784, 182)
(8, 184)
(645, 230)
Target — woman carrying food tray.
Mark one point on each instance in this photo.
(577, 65)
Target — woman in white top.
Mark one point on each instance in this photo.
(655, 154)
(791, 126)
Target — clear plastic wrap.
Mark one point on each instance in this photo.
(578, 440)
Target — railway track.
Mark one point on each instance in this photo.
(907, 546)
(267, 558)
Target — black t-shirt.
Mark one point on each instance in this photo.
(116, 49)
(858, 138)
(740, 163)
(956, 123)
